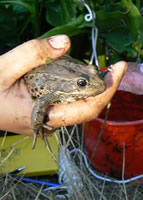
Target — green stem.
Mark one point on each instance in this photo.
(34, 11)
(25, 26)
(138, 4)
(36, 25)
(25, 5)
(102, 130)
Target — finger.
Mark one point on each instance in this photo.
(90, 108)
(29, 55)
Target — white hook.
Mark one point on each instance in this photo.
(88, 17)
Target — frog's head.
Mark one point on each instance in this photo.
(84, 82)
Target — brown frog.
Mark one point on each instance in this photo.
(61, 81)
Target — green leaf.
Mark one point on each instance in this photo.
(109, 16)
(134, 21)
(76, 27)
(8, 31)
(60, 12)
(66, 29)
(120, 40)
(22, 3)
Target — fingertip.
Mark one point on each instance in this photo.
(59, 41)
(113, 78)
(118, 69)
(121, 65)
(55, 46)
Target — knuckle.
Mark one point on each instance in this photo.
(34, 46)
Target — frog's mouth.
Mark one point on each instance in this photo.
(76, 95)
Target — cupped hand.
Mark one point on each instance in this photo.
(88, 109)
(16, 103)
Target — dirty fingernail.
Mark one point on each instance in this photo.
(58, 41)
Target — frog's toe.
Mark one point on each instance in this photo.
(34, 141)
(45, 125)
(50, 128)
(39, 132)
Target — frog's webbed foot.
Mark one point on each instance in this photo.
(38, 119)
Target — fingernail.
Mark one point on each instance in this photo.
(58, 41)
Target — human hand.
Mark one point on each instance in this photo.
(89, 108)
(16, 103)
(133, 79)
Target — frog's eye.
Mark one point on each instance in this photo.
(82, 82)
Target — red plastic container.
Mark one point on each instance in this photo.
(123, 130)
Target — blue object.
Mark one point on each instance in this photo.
(29, 180)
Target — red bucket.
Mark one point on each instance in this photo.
(122, 138)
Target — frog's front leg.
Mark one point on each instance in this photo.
(38, 116)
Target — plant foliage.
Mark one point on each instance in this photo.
(119, 23)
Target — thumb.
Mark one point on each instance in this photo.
(29, 55)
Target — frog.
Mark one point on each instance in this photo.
(60, 81)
